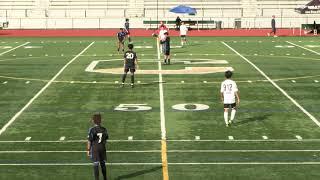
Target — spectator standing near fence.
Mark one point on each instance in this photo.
(178, 23)
(273, 27)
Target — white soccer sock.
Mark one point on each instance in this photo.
(181, 43)
(233, 114)
(226, 117)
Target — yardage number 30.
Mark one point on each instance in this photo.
(145, 107)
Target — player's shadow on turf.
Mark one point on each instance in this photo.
(138, 173)
(253, 119)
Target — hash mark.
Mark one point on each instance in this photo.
(298, 137)
(265, 137)
(28, 138)
(230, 137)
(197, 137)
(130, 138)
(62, 138)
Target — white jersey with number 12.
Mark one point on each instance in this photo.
(229, 88)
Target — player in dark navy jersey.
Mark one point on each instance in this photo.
(130, 64)
(121, 35)
(127, 28)
(96, 146)
(166, 48)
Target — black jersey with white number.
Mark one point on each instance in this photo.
(127, 26)
(130, 58)
(98, 136)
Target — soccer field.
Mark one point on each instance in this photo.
(170, 126)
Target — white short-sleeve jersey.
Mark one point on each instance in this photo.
(183, 30)
(162, 37)
(229, 88)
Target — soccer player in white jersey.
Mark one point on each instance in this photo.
(183, 33)
(229, 93)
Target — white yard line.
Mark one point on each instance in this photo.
(162, 115)
(31, 152)
(159, 164)
(248, 163)
(303, 47)
(76, 164)
(275, 85)
(164, 158)
(14, 48)
(3, 129)
(176, 151)
(173, 140)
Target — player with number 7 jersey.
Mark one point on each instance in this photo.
(96, 147)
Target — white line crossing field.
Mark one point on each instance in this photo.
(174, 151)
(315, 120)
(164, 158)
(159, 164)
(264, 139)
(3, 129)
(5, 52)
(315, 52)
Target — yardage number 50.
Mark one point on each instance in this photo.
(145, 107)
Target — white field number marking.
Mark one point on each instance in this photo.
(186, 107)
(145, 107)
(133, 107)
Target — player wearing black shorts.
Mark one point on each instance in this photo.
(127, 28)
(229, 94)
(130, 64)
(121, 36)
(96, 146)
(166, 49)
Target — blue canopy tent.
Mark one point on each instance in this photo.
(182, 9)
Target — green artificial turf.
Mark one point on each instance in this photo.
(65, 107)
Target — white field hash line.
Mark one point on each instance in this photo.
(276, 85)
(303, 47)
(172, 140)
(159, 164)
(13, 48)
(173, 151)
(41, 91)
(164, 158)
